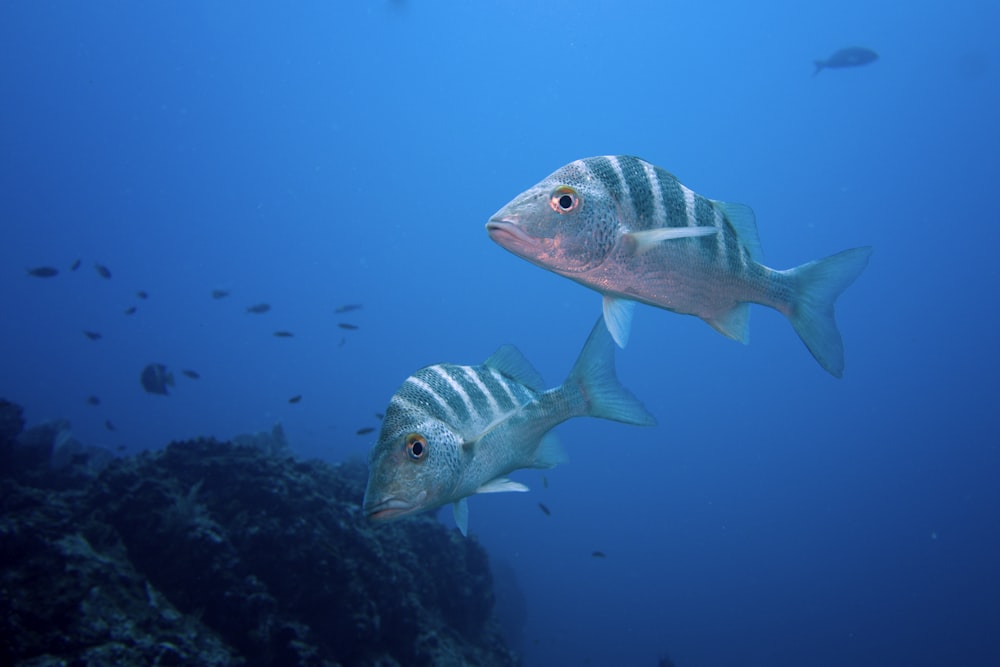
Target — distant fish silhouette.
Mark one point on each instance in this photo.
(108, 425)
(282, 334)
(191, 374)
(295, 399)
(599, 554)
(142, 294)
(102, 271)
(259, 308)
(347, 325)
(74, 266)
(92, 335)
(155, 379)
(43, 272)
(348, 308)
(220, 293)
(544, 509)
(130, 310)
(365, 430)
(379, 416)
(93, 400)
(854, 56)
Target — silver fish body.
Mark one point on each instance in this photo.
(634, 233)
(452, 431)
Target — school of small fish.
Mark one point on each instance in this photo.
(156, 378)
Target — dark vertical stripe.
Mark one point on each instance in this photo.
(433, 403)
(491, 381)
(673, 200)
(603, 170)
(639, 189)
(445, 392)
(704, 215)
(472, 390)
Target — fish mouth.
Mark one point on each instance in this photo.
(507, 233)
(388, 509)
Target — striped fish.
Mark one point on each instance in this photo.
(633, 232)
(453, 431)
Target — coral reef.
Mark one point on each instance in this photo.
(217, 553)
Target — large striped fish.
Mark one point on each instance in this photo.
(452, 431)
(633, 232)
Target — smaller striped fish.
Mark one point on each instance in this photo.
(453, 431)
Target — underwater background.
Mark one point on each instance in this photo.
(317, 155)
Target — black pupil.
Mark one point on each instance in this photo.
(417, 448)
(565, 202)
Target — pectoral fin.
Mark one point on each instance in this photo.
(650, 238)
(460, 509)
(501, 484)
(618, 318)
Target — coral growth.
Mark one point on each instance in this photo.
(216, 553)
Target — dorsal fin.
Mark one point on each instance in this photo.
(743, 220)
(509, 361)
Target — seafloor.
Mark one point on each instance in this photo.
(223, 553)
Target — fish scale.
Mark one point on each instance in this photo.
(631, 231)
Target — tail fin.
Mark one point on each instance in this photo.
(815, 288)
(819, 66)
(594, 376)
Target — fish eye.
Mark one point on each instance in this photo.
(416, 446)
(564, 199)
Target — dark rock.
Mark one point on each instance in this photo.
(215, 553)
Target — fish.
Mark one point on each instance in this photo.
(102, 271)
(155, 379)
(379, 416)
(142, 294)
(191, 374)
(545, 510)
(365, 430)
(92, 335)
(75, 265)
(853, 56)
(295, 399)
(259, 308)
(348, 308)
(108, 425)
(453, 431)
(599, 554)
(220, 293)
(43, 272)
(347, 325)
(631, 231)
(93, 400)
(283, 334)
(130, 310)
(545, 481)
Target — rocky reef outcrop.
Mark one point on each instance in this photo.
(219, 553)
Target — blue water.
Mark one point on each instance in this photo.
(317, 154)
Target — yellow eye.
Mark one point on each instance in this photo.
(416, 446)
(564, 199)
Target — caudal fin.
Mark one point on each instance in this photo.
(593, 375)
(815, 288)
(820, 64)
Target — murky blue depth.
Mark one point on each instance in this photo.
(320, 155)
